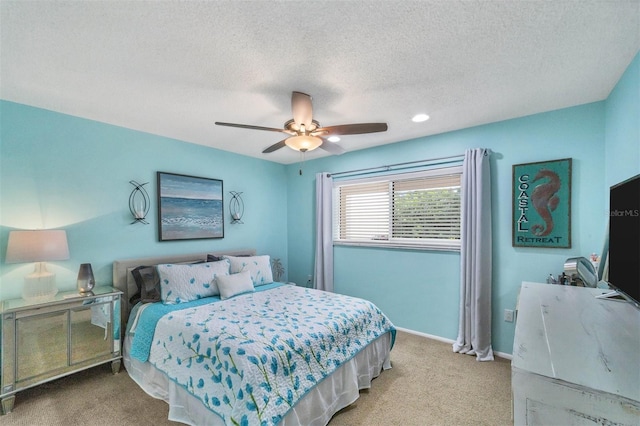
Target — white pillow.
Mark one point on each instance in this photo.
(184, 283)
(258, 266)
(235, 284)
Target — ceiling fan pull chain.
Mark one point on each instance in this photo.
(301, 162)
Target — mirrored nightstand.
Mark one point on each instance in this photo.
(42, 341)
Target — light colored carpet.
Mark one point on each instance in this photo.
(428, 385)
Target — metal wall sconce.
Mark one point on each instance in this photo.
(139, 202)
(236, 207)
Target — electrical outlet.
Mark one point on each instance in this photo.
(309, 279)
(508, 315)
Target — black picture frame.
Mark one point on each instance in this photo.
(189, 207)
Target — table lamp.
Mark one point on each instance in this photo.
(38, 246)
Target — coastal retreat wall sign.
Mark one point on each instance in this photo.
(542, 204)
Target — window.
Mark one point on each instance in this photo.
(414, 210)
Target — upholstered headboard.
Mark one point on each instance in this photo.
(123, 280)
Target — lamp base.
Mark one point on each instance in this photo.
(39, 285)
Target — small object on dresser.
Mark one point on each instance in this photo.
(276, 268)
(86, 281)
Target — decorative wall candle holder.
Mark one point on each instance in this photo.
(139, 202)
(236, 207)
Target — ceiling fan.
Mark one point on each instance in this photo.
(305, 133)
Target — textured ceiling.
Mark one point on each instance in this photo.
(173, 68)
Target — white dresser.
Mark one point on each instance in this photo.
(576, 358)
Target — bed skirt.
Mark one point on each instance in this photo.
(332, 394)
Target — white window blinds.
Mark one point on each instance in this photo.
(419, 210)
(364, 211)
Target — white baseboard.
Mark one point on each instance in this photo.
(429, 336)
(445, 340)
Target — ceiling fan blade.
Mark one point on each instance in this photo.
(274, 147)
(302, 109)
(332, 147)
(249, 126)
(351, 129)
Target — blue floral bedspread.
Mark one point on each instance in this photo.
(252, 357)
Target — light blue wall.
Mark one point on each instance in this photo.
(59, 171)
(419, 290)
(623, 126)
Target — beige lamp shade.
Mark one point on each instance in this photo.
(37, 246)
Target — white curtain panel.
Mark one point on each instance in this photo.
(474, 330)
(323, 272)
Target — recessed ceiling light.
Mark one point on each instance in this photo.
(333, 139)
(419, 118)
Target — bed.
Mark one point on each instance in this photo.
(250, 351)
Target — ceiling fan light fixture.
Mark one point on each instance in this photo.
(303, 143)
(334, 139)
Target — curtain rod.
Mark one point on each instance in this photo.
(388, 167)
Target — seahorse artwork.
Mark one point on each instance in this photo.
(545, 200)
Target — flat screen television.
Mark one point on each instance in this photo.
(624, 239)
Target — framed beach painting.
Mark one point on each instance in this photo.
(542, 204)
(189, 207)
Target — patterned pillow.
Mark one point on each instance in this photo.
(148, 283)
(183, 283)
(235, 284)
(258, 266)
